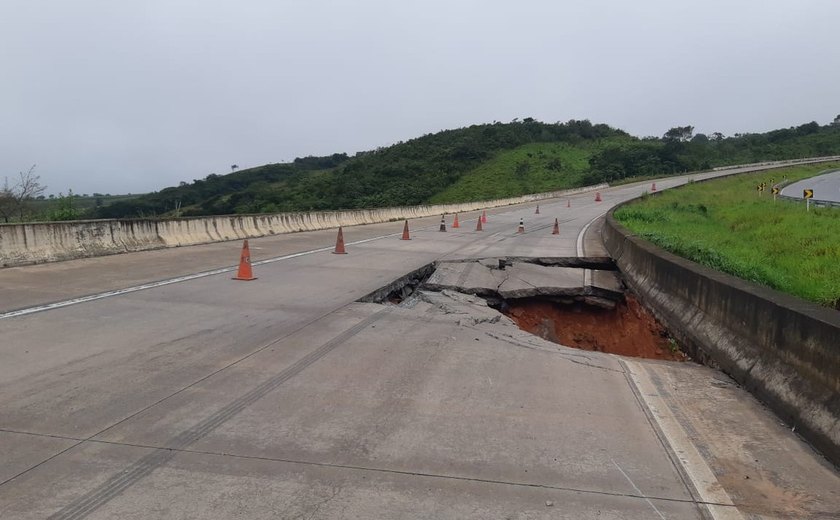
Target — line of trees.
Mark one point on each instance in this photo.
(680, 150)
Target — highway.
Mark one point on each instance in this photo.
(146, 386)
(826, 187)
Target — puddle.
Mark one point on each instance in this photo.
(627, 329)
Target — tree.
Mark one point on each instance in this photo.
(679, 134)
(836, 121)
(64, 209)
(7, 202)
(14, 200)
(233, 167)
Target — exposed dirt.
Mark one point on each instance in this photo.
(628, 330)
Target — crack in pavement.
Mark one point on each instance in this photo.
(445, 476)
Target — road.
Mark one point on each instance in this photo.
(826, 187)
(284, 397)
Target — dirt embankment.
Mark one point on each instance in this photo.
(627, 330)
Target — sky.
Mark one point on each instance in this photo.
(128, 97)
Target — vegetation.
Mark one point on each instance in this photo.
(727, 225)
(474, 163)
(408, 173)
(536, 167)
(15, 198)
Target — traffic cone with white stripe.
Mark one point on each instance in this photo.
(521, 228)
(538, 210)
(245, 273)
(442, 223)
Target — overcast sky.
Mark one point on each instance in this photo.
(117, 97)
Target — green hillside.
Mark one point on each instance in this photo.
(531, 168)
(478, 162)
(407, 173)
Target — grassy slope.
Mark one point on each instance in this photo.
(726, 225)
(498, 177)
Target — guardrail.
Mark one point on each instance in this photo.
(814, 202)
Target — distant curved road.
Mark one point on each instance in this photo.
(826, 187)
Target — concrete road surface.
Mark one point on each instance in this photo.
(826, 187)
(144, 386)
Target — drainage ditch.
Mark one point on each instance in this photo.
(579, 303)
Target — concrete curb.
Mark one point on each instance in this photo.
(782, 349)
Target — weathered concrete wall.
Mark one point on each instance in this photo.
(52, 241)
(786, 351)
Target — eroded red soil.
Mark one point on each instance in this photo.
(628, 330)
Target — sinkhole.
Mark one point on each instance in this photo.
(576, 302)
(627, 329)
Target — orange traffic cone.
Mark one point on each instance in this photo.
(653, 187)
(597, 196)
(478, 225)
(538, 210)
(339, 243)
(455, 223)
(556, 230)
(484, 217)
(442, 223)
(521, 228)
(245, 273)
(569, 203)
(405, 232)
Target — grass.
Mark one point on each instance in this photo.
(726, 225)
(531, 168)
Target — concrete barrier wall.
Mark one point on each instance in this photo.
(784, 350)
(22, 244)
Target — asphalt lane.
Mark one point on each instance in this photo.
(283, 398)
(826, 187)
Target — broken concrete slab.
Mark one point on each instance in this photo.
(466, 309)
(466, 277)
(527, 280)
(511, 279)
(607, 281)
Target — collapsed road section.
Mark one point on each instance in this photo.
(575, 302)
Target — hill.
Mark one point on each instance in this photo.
(474, 163)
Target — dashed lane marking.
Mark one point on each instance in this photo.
(170, 281)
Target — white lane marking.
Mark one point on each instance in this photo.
(583, 232)
(712, 494)
(179, 279)
(638, 491)
(587, 273)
